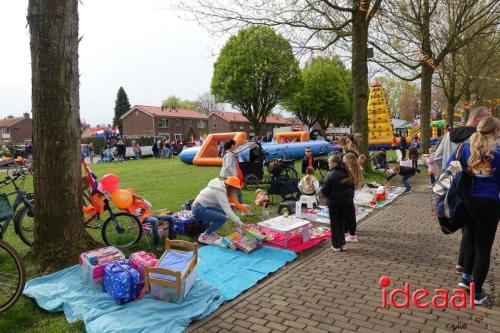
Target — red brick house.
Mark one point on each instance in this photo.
(221, 122)
(143, 120)
(16, 129)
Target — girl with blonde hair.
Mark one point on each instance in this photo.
(354, 168)
(309, 184)
(481, 158)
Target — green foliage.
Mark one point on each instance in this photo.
(122, 105)
(178, 103)
(189, 134)
(99, 143)
(255, 70)
(325, 94)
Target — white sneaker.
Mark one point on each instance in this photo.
(351, 239)
(209, 239)
(336, 249)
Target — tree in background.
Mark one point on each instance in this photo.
(402, 97)
(469, 71)
(255, 70)
(324, 95)
(174, 102)
(122, 105)
(60, 236)
(207, 103)
(311, 26)
(415, 36)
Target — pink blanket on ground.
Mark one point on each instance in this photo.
(295, 242)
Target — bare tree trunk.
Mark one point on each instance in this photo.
(60, 236)
(451, 111)
(467, 97)
(425, 107)
(359, 69)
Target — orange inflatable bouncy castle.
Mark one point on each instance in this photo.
(208, 154)
(288, 137)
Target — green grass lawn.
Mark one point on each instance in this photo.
(167, 184)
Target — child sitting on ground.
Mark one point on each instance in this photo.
(107, 156)
(309, 185)
(141, 208)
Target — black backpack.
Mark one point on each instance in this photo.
(451, 195)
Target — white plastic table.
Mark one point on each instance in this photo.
(285, 225)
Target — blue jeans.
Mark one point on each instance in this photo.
(155, 221)
(405, 182)
(214, 215)
(239, 194)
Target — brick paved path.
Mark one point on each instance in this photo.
(324, 291)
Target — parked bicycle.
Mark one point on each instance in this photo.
(12, 270)
(22, 212)
(121, 230)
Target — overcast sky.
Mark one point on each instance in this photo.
(137, 44)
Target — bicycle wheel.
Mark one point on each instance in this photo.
(251, 182)
(24, 223)
(122, 230)
(289, 172)
(12, 276)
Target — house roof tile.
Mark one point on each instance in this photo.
(9, 122)
(157, 111)
(238, 117)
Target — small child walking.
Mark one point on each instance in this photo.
(432, 167)
(413, 153)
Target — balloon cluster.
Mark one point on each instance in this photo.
(121, 198)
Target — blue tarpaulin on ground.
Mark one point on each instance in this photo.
(65, 291)
(223, 274)
(234, 271)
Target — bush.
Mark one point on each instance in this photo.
(99, 143)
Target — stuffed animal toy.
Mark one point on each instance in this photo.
(261, 198)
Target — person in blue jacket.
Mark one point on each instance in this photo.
(481, 158)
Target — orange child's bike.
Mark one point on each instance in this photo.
(121, 230)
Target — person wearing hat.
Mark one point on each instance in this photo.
(213, 205)
(308, 160)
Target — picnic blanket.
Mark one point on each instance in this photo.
(235, 271)
(64, 291)
(223, 274)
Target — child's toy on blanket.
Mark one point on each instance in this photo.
(174, 274)
(141, 259)
(261, 198)
(122, 282)
(93, 263)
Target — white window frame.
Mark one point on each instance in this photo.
(163, 121)
(201, 124)
(177, 137)
(177, 122)
(190, 123)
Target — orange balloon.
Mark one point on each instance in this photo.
(121, 198)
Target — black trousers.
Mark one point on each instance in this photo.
(478, 238)
(340, 212)
(350, 224)
(403, 153)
